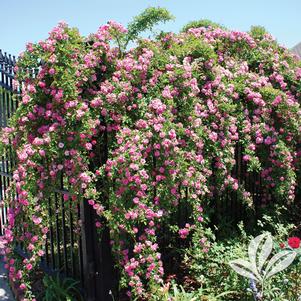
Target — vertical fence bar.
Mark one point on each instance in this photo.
(86, 216)
(57, 231)
(72, 259)
(50, 235)
(80, 250)
(64, 230)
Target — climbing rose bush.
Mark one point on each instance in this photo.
(167, 116)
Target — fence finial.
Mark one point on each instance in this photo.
(5, 58)
(10, 60)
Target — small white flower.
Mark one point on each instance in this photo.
(259, 296)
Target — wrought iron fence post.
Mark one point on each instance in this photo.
(108, 274)
(100, 278)
(88, 256)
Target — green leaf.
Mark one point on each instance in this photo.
(146, 21)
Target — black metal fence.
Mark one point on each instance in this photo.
(7, 107)
(72, 246)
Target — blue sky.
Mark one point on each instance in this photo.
(31, 20)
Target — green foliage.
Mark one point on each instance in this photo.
(179, 293)
(209, 268)
(258, 32)
(175, 293)
(195, 48)
(201, 23)
(275, 220)
(146, 21)
(61, 289)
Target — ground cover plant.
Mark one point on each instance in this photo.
(167, 115)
